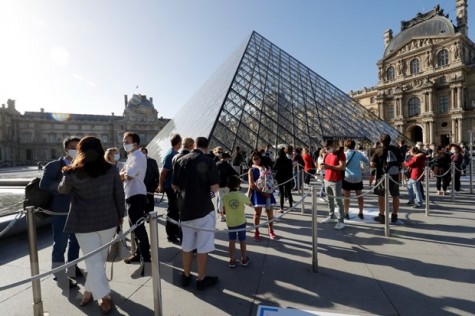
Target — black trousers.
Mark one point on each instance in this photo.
(150, 201)
(136, 205)
(173, 230)
(285, 190)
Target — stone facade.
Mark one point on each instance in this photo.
(426, 79)
(37, 136)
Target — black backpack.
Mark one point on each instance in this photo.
(37, 197)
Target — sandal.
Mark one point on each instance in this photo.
(106, 304)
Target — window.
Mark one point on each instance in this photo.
(414, 106)
(52, 138)
(442, 58)
(372, 99)
(105, 139)
(391, 112)
(29, 154)
(390, 73)
(443, 104)
(414, 65)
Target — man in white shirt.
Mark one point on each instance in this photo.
(132, 175)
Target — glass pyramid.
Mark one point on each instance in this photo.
(262, 95)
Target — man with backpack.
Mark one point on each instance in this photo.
(387, 159)
(50, 180)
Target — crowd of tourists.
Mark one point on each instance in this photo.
(97, 191)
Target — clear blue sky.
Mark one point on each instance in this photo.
(83, 56)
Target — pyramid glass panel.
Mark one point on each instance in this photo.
(262, 95)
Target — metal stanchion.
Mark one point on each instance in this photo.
(386, 205)
(452, 185)
(427, 171)
(471, 162)
(157, 289)
(302, 175)
(314, 230)
(34, 265)
(297, 179)
(133, 246)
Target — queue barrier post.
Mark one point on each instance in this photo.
(156, 285)
(427, 172)
(471, 160)
(452, 182)
(386, 205)
(302, 179)
(314, 230)
(34, 262)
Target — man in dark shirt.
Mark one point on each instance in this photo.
(194, 176)
(150, 180)
(382, 165)
(50, 180)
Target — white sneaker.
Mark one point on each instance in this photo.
(322, 199)
(329, 219)
(339, 225)
(223, 219)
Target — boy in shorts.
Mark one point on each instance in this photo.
(234, 204)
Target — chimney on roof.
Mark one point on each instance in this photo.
(151, 100)
(462, 16)
(42, 110)
(11, 104)
(126, 99)
(112, 113)
(388, 36)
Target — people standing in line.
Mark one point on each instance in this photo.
(195, 176)
(416, 164)
(225, 170)
(283, 176)
(379, 161)
(234, 203)
(457, 158)
(237, 160)
(268, 153)
(260, 199)
(372, 171)
(309, 166)
(353, 179)
(151, 180)
(112, 156)
(466, 158)
(440, 166)
(132, 176)
(334, 163)
(97, 209)
(165, 185)
(299, 164)
(52, 175)
(321, 170)
(217, 152)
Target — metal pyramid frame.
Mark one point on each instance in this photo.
(262, 95)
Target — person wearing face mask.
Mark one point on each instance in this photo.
(112, 156)
(132, 176)
(50, 180)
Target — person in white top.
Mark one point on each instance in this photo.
(132, 175)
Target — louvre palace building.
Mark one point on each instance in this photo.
(426, 78)
(37, 136)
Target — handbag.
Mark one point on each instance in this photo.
(119, 250)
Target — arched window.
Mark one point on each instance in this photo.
(442, 58)
(414, 65)
(414, 106)
(390, 73)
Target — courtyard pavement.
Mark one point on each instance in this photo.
(426, 267)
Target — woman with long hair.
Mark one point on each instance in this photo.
(258, 198)
(97, 209)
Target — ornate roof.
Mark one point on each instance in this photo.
(139, 100)
(432, 23)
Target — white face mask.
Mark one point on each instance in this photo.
(330, 150)
(128, 147)
(72, 153)
(117, 157)
(452, 151)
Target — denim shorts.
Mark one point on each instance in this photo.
(241, 235)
